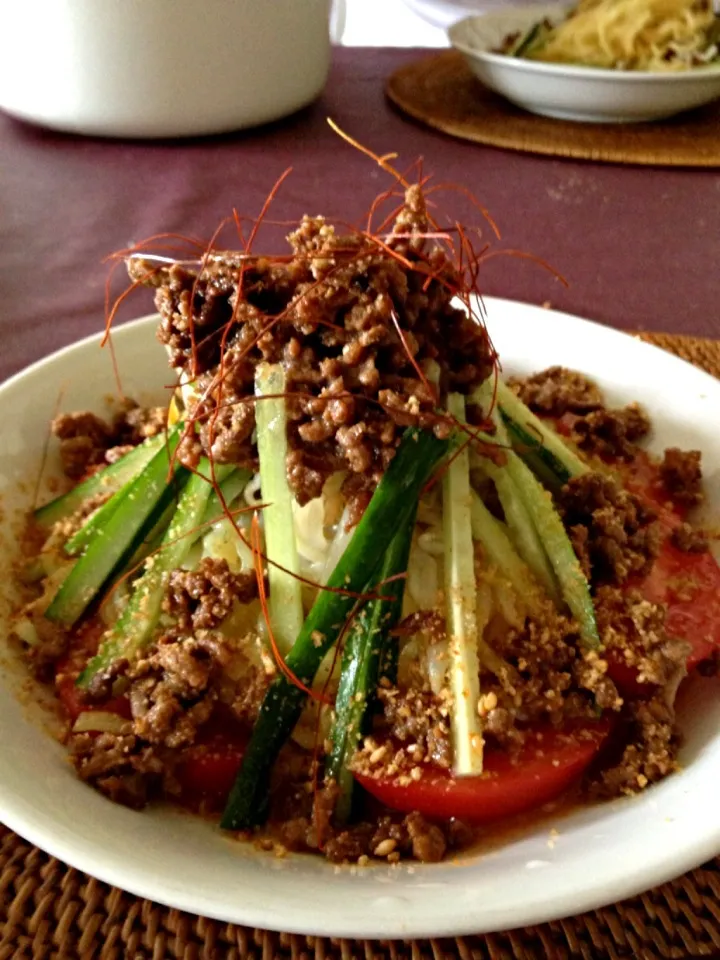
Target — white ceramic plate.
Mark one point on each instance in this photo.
(443, 13)
(569, 92)
(601, 854)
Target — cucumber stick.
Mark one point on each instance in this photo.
(135, 627)
(500, 551)
(460, 591)
(573, 583)
(231, 487)
(365, 649)
(138, 502)
(286, 610)
(106, 480)
(536, 437)
(391, 506)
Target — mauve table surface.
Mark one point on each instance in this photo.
(639, 247)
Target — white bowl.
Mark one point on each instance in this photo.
(443, 13)
(569, 92)
(601, 853)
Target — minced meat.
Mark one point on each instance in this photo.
(87, 440)
(650, 753)
(689, 539)
(556, 391)
(84, 439)
(121, 766)
(172, 690)
(200, 599)
(354, 326)
(611, 433)
(613, 531)
(681, 475)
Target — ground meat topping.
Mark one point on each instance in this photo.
(87, 440)
(689, 539)
(420, 720)
(613, 531)
(121, 766)
(633, 630)
(84, 438)
(556, 391)
(611, 433)
(352, 325)
(173, 690)
(201, 599)
(52, 645)
(681, 475)
(650, 754)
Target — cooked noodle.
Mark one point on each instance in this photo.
(656, 35)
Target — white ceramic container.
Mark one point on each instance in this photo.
(162, 68)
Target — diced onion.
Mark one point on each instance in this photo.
(99, 721)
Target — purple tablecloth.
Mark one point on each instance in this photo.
(640, 247)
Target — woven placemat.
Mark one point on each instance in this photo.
(48, 910)
(442, 92)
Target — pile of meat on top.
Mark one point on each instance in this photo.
(352, 321)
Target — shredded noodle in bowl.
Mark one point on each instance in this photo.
(652, 35)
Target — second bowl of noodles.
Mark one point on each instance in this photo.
(629, 63)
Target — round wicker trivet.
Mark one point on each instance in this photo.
(442, 92)
(48, 910)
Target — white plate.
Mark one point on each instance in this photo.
(444, 13)
(601, 854)
(569, 92)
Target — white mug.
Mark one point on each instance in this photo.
(162, 68)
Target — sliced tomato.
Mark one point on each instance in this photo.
(210, 767)
(549, 763)
(67, 671)
(74, 705)
(689, 583)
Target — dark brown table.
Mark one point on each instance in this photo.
(640, 247)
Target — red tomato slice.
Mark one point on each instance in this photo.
(547, 765)
(211, 765)
(68, 669)
(689, 583)
(72, 701)
(207, 775)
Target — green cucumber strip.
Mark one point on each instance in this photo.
(135, 627)
(537, 437)
(365, 649)
(460, 593)
(532, 40)
(285, 601)
(501, 552)
(522, 529)
(573, 583)
(231, 487)
(106, 480)
(139, 501)
(392, 505)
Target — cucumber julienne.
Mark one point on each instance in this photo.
(392, 504)
(363, 657)
(140, 503)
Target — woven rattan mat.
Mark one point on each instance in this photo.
(442, 92)
(48, 910)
